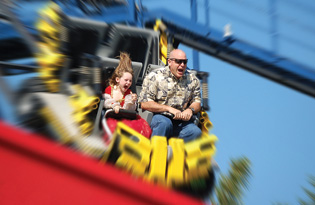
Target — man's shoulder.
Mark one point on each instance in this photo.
(156, 72)
(161, 69)
(191, 72)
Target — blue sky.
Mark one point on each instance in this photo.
(269, 123)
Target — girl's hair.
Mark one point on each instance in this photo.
(123, 67)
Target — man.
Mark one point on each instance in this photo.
(174, 90)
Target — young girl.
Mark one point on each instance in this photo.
(119, 96)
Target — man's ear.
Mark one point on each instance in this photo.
(168, 62)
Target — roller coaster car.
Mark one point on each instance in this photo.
(185, 167)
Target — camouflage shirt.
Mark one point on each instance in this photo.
(164, 88)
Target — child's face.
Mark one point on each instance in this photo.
(125, 81)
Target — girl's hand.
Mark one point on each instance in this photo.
(134, 97)
(116, 109)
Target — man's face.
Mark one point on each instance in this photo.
(178, 63)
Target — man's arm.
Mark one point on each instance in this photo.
(153, 106)
(188, 113)
(196, 106)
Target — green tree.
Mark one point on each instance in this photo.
(309, 193)
(230, 187)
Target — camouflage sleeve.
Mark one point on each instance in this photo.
(149, 89)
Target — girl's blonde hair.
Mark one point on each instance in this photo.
(124, 66)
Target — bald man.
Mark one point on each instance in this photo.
(172, 89)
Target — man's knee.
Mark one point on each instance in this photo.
(160, 121)
(161, 125)
(197, 132)
(190, 133)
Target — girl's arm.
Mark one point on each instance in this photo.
(109, 101)
(130, 104)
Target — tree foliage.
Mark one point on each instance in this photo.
(230, 187)
(309, 193)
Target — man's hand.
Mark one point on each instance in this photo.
(186, 114)
(177, 113)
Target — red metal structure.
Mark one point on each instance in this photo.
(35, 170)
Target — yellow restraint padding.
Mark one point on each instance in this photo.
(175, 171)
(86, 126)
(157, 170)
(198, 156)
(82, 101)
(134, 150)
(205, 122)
